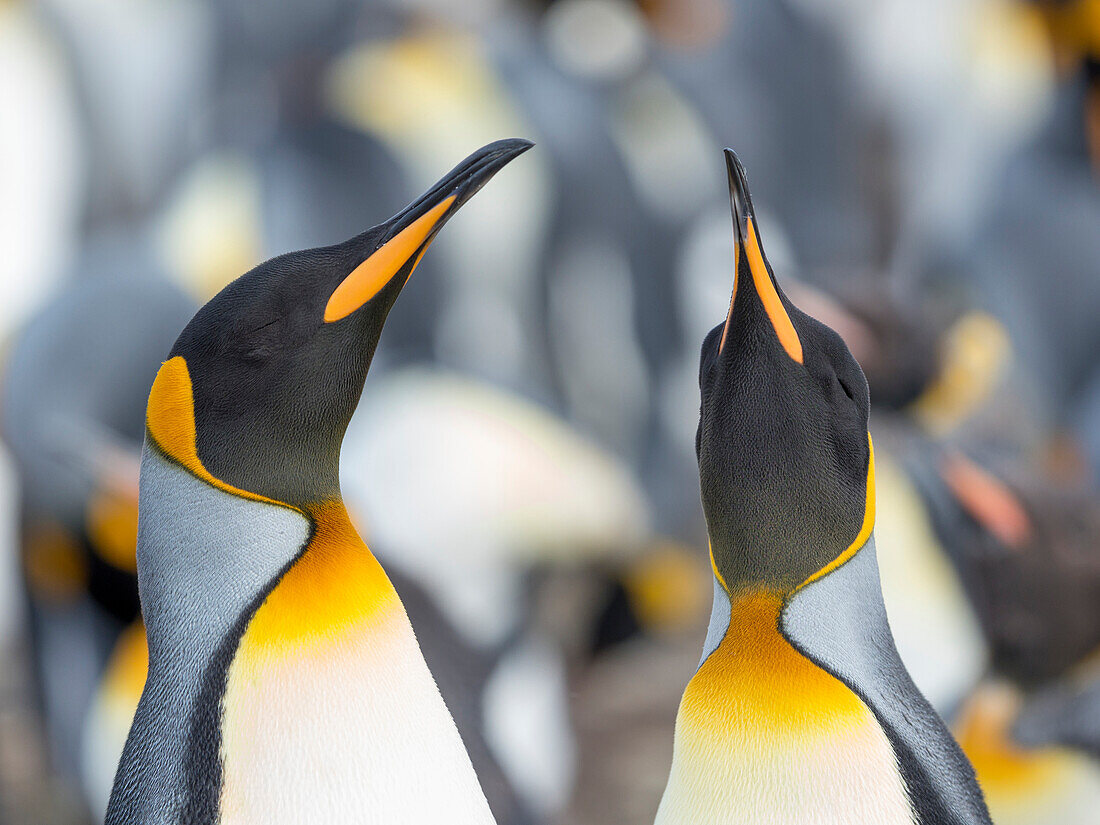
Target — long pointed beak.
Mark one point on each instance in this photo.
(749, 259)
(740, 198)
(409, 233)
(461, 183)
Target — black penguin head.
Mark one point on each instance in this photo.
(278, 358)
(782, 442)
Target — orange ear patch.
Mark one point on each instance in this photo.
(777, 313)
(335, 583)
(170, 415)
(53, 563)
(170, 419)
(367, 279)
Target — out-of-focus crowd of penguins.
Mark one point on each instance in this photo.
(524, 460)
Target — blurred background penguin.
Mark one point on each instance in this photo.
(926, 172)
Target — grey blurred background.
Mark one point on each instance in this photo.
(928, 178)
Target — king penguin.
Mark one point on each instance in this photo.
(285, 683)
(800, 710)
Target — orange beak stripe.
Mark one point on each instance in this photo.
(777, 313)
(367, 279)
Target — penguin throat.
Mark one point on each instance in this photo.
(765, 735)
(335, 586)
(756, 682)
(744, 565)
(743, 562)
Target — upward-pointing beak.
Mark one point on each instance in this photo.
(409, 233)
(749, 261)
(740, 197)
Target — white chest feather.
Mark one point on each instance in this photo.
(847, 780)
(352, 732)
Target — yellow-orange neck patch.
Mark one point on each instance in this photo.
(367, 279)
(773, 305)
(335, 582)
(336, 586)
(765, 735)
(756, 683)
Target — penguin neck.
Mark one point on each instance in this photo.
(751, 678)
(756, 683)
(762, 676)
(766, 734)
(334, 586)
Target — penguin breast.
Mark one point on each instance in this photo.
(330, 712)
(765, 735)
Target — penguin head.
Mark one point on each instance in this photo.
(275, 363)
(784, 453)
